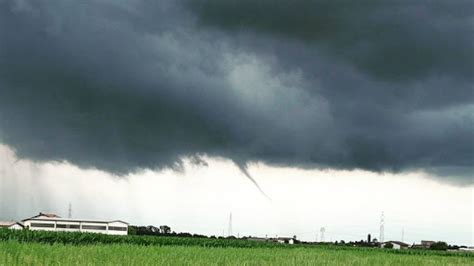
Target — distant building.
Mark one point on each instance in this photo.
(281, 240)
(395, 244)
(53, 222)
(424, 244)
(285, 240)
(258, 239)
(11, 225)
(427, 243)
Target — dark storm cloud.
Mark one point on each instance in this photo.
(387, 39)
(124, 85)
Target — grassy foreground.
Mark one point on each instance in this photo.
(17, 253)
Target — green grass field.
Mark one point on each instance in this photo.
(24, 247)
(17, 253)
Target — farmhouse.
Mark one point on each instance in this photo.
(427, 243)
(285, 240)
(281, 240)
(11, 225)
(395, 244)
(53, 222)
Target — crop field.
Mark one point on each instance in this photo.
(16, 253)
(40, 248)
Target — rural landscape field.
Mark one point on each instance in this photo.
(43, 248)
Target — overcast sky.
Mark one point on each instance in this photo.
(204, 97)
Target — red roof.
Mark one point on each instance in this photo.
(48, 215)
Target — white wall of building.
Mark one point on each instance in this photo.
(69, 225)
(396, 246)
(117, 225)
(40, 225)
(15, 227)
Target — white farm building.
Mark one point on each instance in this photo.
(395, 245)
(52, 222)
(11, 225)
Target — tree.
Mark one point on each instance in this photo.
(132, 230)
(388, 245)
(439, 246)
(164, 229)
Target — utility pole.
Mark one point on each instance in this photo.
(382, 227)
(229, 229)
(321, 232)
(403, 234)
(69, 211)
